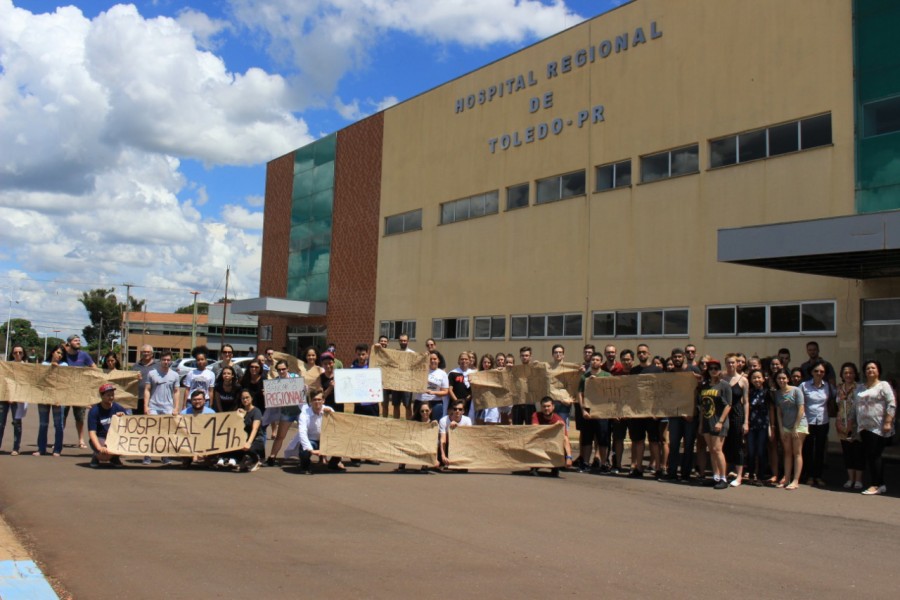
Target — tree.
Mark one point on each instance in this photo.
(202, 309)
(105, 313)
(21, 334)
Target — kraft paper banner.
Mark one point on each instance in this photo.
(401, 371)
(507, 447)
(280, 392)
(176, 435)
(651, 395)
(564, 381)
(66, 386)
(295, 365)
(372, 438)
(520, 384)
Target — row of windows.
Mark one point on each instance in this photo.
(795, 318)
(469, 208)
(771, 141)
(771, 319)
(774, 140)
(393, 329)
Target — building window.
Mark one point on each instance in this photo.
(560, 187)
(796, 318)
(490, 328)
(408, 221)
(771, 141)
(517, 196)
(265, 333)
(450, 329)
(881, 116)
(658, 322)
(568, 325)
(393, 329)
(469, 208)
(613, 175)
(680, 161)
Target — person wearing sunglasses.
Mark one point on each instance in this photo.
(455, 418)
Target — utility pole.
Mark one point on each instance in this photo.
(100, 340)
(128, 287)
(224, 309)
(194, 323)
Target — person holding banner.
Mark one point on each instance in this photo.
(283, 416)
(16, 408)
(438, 387)
(424, 416)
(548, 416)
(250, 456)
(99, 418)
(592, 431)
(161, 393)
(197, 407)
(326, 381)
(459, 384)
(310, 431)
(455, 418)
(54, 358)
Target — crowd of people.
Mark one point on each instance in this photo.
(757, 420)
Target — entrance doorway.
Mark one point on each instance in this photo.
(881, 335)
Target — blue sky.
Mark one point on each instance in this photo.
(136, 135)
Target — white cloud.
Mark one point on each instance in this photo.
(238, 216)
(325, 39)
(121, 81)
(204, 28)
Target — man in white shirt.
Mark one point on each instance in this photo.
(309, 433)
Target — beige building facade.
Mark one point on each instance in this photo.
(611, 184)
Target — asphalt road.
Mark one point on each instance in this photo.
(163, 532)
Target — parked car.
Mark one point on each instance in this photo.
(185, 365)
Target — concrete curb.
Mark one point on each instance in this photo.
(20, 577)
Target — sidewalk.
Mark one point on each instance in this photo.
(20, 577)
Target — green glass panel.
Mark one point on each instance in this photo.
(304, 185)
(323, 177)
(321, 205)
(304, 158)
(325, 149)
(312, 204)
(877, 76)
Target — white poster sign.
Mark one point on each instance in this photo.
(357, 386)
(288, 391)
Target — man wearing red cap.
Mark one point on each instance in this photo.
(99, 419)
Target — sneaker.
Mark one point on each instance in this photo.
(554, 472)
(307, 472)
(848, 484)
(167, 461)
(613, 470)
(605, 469)
(533, 472)
(147, 460)
(735, 482)
(232, 463)
(354, 462)
(667, 477)
(858, 485)
(584, 468)
(722, 484)
(116, 461)
(220, 463)
(95, 464)
(255, 467)
(270, 462)
(635, 474)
